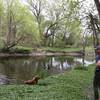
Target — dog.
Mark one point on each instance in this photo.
(33, 81)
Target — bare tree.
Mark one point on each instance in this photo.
(11, 33)
(97, 2)
(95, 34)
(11, 39)
(35, 7)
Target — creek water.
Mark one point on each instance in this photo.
(16, 70)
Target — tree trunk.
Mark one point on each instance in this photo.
(0, 25)
(97, 2)
(95, 34)
(11, 33)
(9, 28)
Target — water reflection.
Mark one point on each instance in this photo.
(17, 70)
(4, 80)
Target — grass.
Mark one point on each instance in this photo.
(49, 49)
(58, 49)
(24, 48)
(70, 85)
(53, 49)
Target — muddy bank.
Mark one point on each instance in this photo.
(77, 54)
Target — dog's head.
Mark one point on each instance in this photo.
(36, 78)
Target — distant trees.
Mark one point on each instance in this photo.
(91, 23)
(94, 24)
(10, 23)
(15, 24)
(39, 23)
(36, 7)
(62, 21)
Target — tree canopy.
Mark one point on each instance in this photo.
(41, 22)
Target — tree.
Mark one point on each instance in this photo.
(97, 2)
(21, 23)
(15, 23)
(1, 13)
(9, 20)
(36, 7)
(60, 15)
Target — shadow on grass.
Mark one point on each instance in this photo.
(81, 68)
(44, 83)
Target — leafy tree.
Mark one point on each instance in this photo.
(39, 22)
(63, 20)
(17, 24)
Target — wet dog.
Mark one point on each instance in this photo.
(33, 81)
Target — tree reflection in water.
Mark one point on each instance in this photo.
(20, 69)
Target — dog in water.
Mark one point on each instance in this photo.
(33, 81)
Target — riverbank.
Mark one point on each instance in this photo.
(43, 51)
(33, 54)
(70, 85)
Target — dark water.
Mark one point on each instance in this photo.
(16, 70)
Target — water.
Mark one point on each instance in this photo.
(17, 70)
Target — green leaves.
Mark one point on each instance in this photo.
(59, 17)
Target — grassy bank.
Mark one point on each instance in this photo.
(58, 49)
(70, 85)
(51, 49)
(48, 49)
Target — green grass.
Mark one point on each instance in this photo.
(24, 48)
(70, 85)
(49, 49)
(55, 49)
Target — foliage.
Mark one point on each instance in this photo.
(22, 18)
(36, 23)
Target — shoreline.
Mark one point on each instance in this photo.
(33, 54)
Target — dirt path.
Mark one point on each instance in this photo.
(89, 93)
